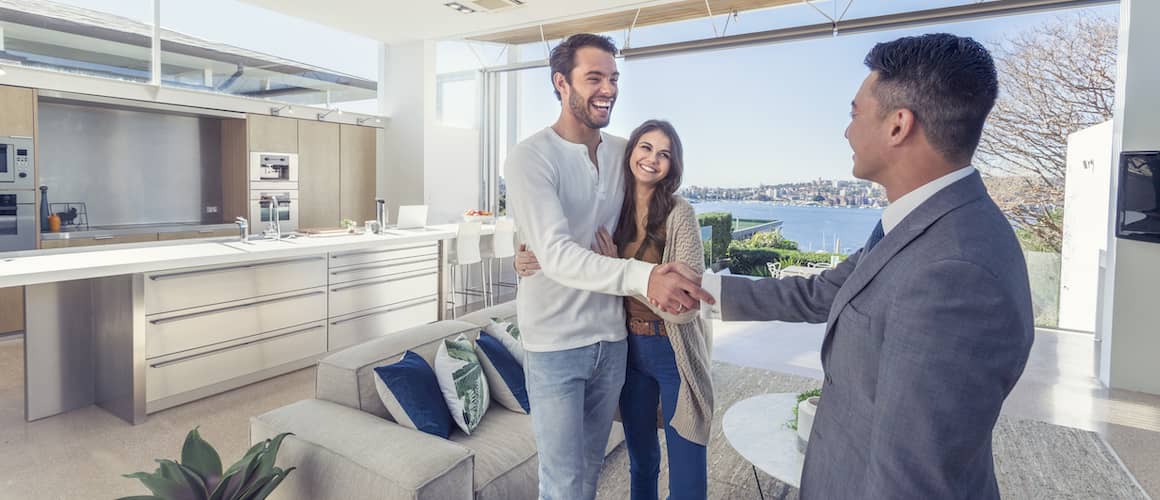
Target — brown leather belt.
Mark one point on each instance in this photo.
(638, 326)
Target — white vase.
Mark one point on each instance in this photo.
(806, 411)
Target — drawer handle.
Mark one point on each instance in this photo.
(399, 277)
(204, 231)
(162, 277)
(399, 307)
(232, 308)
(389, 263)
(104, 237)
(199, 355)
(369, 252)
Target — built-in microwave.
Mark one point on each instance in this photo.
(265, 205)
(274, 167)
(16, 163)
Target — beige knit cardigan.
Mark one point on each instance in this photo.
(690, 336)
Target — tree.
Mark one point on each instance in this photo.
(1054, 79)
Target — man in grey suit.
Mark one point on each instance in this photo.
(930, 324)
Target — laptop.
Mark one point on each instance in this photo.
(412, 217)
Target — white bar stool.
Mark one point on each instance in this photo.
(466, 253)
(503, 246)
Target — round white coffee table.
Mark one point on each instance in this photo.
(756, 428)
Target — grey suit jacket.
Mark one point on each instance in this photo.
(926, 335)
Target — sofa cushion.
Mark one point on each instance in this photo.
(462, 382)
(505, 376)
(410, 392)
(508, 333)
(341, 452)
(347, 377)
(502, 443)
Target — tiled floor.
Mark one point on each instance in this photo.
(82, 454)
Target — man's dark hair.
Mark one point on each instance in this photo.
(948, 82)
(563, 58)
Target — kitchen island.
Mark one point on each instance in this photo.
(138, 328)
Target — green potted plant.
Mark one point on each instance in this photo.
(199, 476)
(803, 416)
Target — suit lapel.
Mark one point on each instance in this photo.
(914, 224)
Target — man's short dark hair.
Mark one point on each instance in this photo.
(563, 58)
(948, 82)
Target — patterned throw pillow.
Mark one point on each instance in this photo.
(508, 334)
(505, 376)
(410, 392)
(462, 381)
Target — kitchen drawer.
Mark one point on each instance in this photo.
(110, 239)
(362, 326)
(200, 233)
(368, 256)
(382, 268)
(181, 373)
(46, 244)
(376, 292)
(183, 289)
(192, 328)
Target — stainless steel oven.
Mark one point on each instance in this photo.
(16, 163)
(17, 220)
(263, 208)
(274, 167)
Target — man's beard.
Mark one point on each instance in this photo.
(580, 110)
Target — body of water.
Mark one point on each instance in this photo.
(814, 228)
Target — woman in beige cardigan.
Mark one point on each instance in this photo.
(668, 355)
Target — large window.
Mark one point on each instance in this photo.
(224, 46)
(232, 47)
(763, 128)
(93, 37)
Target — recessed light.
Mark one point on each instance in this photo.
(460, 7)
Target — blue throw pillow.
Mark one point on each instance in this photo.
(411, 394)
(505, 375)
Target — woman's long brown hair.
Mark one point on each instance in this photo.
(662, 199)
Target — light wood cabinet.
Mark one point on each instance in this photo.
(11, 309)
(318, 175)
(357, 167)
(17, 111)
(235, 170)
(272, 134)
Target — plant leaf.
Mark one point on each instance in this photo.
(279, 475)
(243, 477)
(160, 485)
(266, 464)
(199, 455)
(220, 490)
(185, 475)
(245, 460)
(141, 497)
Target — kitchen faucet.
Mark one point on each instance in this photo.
(274, 225)
(243, 228)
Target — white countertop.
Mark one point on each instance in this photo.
(30, 268)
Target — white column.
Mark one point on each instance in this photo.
(1130, 319)
(407, 99)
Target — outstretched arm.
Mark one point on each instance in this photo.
(794, 299)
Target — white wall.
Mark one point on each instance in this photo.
(452, 173)
(1085, 224)
(1130, 346)
(407, 97)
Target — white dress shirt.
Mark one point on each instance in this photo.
(559, 199)
(892, 215)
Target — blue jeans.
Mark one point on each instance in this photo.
(573, 396)
(651, 377)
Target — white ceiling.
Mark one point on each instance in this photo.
(394, 21)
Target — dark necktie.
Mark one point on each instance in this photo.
(875, 237)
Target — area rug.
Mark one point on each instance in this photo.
(1032, 459)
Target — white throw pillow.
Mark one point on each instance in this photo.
(462, 381)
(509, 334)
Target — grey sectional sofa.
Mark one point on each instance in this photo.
(346, 446)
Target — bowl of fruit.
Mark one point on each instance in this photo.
(484, 216)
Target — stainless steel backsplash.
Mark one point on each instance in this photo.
(131, 167)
